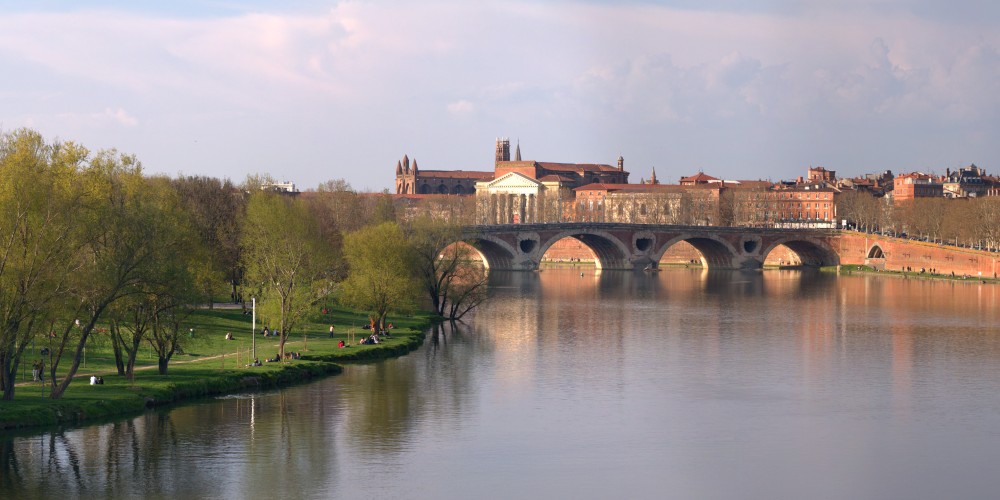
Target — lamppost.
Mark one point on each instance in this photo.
(253, 326)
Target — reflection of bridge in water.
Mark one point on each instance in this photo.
(640, 246)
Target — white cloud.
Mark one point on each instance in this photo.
(109, 117)
(461, 107)
(315, 92)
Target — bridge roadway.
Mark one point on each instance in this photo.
(640, 246)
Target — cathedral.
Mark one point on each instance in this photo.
(412, 180)
(516, 190)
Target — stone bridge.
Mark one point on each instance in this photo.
(640, 246)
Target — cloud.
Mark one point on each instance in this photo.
(756, 89)
(461, 107)
(101, 119)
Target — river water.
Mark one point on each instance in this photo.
(683, 384)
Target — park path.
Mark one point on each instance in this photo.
(86, 376)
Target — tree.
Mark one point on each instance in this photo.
(449, 271)
(986, 214)
(165, 336)
(385, 210)
(380, 276)
(40, 235)
(170, 274)
(215, 210)
(123, 237)
(288, 263)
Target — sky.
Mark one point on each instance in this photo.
(310, 90)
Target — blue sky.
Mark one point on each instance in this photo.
(313, 90)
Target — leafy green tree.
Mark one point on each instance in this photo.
(166, 336)
(39, 239)
(122, 241)
(170, 273)
(288, 263)
(216, 208)
(380, 277)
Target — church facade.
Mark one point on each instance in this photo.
(516, 190)
(533, 191)
(413, 180)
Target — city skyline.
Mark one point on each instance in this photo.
(315, 90)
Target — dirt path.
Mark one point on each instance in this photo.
(86, 376)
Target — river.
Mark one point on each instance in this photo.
(682, 384)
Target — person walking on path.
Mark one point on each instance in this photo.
(35, 370)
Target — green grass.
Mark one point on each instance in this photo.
(210, 365)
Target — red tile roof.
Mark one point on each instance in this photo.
(699, 177)
(454, 174)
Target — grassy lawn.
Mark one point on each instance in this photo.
(210, 365)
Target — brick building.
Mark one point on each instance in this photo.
(526, 191)
(413, 180)
(915, 185)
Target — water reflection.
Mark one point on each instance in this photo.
(700, 384)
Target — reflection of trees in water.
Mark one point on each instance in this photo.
(393, 397)
(179, 453)
(30, 465)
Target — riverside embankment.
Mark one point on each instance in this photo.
(210, 366)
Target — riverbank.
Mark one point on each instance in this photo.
(210, 366)
(924, 275)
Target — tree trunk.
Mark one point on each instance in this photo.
(8, 372)
(117, 348)
(133, 353)
(59, 389)
(162, 365)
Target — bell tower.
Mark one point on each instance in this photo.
(503, 150)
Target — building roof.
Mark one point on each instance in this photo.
(555, 178)
(644, 188)
(559, 167)
(455, 174)
(576, 167)
(817, 187)
(408, 196)
(758, 184)
(700, 177)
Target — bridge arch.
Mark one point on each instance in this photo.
(496, 253)
(876, 252)
(715, 252)
(610, 252)
(811, 251)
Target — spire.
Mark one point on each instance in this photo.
(621, 163)
(406, 164)
(652, 178)
(399, 168)
(414, 166)
(517, 152)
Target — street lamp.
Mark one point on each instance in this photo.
(253, 326)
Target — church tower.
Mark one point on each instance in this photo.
(503, 150)
(406, 178)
